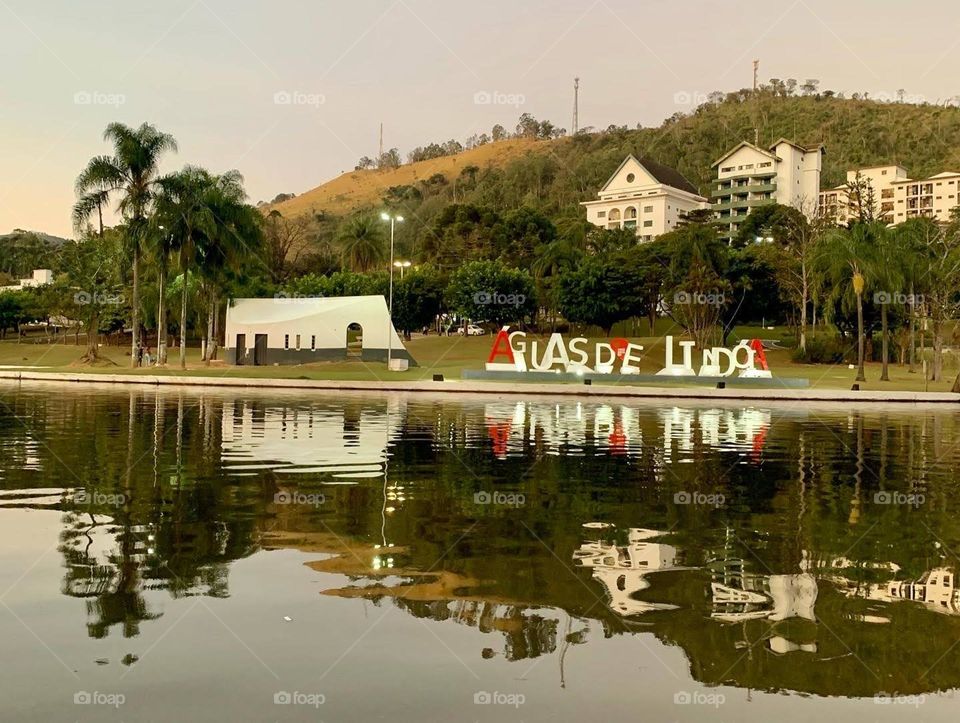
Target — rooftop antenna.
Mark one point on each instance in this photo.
(756, 129)
(576, 106)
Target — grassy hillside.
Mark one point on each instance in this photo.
(555, 175)
(358, 190)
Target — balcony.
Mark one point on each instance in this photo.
(741, 204)
(751, 188)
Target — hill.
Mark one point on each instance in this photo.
(553, 176)
(357, 190)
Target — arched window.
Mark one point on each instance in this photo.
(614, 214)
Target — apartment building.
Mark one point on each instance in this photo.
(749, 176)
(646, 196)
(934, 197)
(872, 187)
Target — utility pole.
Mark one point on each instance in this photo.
(756, 128)
(380, 154)
(576, 106)
(756, 69)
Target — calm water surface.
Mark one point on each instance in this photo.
(217, 555)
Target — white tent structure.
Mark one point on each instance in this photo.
(285, 330)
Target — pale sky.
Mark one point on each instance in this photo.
(208, 71)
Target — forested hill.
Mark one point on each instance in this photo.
(554, 175)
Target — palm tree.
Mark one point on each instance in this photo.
(160, 244)
(131, 173)
(210, 227)
(888, 275)
(551, 260)
(362, 243)
(845, 259)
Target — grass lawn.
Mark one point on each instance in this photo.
(436, 355)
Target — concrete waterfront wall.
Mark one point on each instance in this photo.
(595, 391)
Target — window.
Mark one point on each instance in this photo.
(601, 214)
(298, 342)
(647, 224)
(286, 341)
(883, 172)
(313, 343)
(631, 178)
(648, 209)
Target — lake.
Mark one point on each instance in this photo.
(192, 554)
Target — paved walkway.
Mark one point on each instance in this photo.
(599, 391)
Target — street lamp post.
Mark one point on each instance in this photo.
(403, 266)
(394, 220)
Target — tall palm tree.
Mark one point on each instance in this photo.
(210, 226)
(159, 243)
(550, 260)
(845, 259)
(131, 174)
(362, 243)
(888, 254)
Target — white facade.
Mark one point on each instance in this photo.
(749, 176)
(40, 277)
(644, 196)
(840, 204)
(934, 197)
(303, 330)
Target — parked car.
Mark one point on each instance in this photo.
(472, 330)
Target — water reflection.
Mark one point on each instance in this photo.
(801, 574)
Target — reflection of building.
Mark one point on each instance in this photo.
(343, 441)
(644, 196)
(623, 570)
(935, 589)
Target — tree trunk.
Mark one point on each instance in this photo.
(183, 321)
(937, 351)
(861, 377)
(162, 318)
(135, 308)
(913, 333)
(803, 309)
(208, 346)
(215, 339)
(885, 344)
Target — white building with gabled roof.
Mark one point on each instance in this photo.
(646, 196)
(749, 176)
